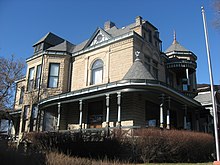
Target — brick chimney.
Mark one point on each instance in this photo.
(138, 20)
(108, 25)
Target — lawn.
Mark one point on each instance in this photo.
(210, 163)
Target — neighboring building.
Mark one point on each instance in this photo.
(119, 77)
(204, 97)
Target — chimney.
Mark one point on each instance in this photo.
(108, 25)
(138, 20)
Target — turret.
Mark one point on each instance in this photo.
(181, 68)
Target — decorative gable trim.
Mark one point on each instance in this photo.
(98, 36)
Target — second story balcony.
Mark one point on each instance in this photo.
(181, 63)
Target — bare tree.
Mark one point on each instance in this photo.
(10, 71)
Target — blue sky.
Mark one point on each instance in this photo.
(24, 22)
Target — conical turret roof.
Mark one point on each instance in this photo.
(138, 71)
(176, 46)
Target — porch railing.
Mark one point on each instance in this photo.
(99, 134)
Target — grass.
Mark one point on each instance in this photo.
(210, 163)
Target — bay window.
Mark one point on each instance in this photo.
(53, 75)
(38, 75)
(30, 79)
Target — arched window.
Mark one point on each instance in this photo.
(97, 72)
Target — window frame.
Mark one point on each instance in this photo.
(155, 69)
(26, 112)
(147, 62)
(30, 84)
(21, 98)
(94, 69)
(38, 77)
(54, 76)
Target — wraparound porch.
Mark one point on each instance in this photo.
(131, 103)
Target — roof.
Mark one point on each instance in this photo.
(80, 46)
(176, 47)
(138, 71)
(204, 94)
(113, 32)
(60, 44)
(64, 46)
(206, 87)
(204, 98)
(50, 38)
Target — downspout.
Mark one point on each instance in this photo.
(70, 74)
(38, 95)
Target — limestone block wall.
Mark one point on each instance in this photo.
(148, 54)
(117, 59)
(19, 84)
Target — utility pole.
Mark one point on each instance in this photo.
(215, 114)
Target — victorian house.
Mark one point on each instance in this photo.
(119, 77)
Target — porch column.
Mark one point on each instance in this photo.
(41, 125)
(168, 114)
(119, 108)
(161, 112)
(107, 110)
(161, 115)
(208, 123)
(187, 76)
(197, 120)
(80, 114)
(185, 116)
(58, 116)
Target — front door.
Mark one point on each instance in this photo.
(95, 114)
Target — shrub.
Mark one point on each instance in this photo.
(147, 145)
(155, 145)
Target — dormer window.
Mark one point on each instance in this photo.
(38, 47)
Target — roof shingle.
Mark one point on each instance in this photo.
(138, 71)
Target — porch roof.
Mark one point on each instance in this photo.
(119, 86)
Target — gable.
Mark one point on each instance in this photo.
(99, 36)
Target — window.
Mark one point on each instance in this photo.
(97, 72)
(184, 84)
(152, 114)
(38, 48)
(33, 118)
(150, 36)
(170, 79)
(26, 111)
(147, 62)
(53, 75)
(34, 112)
(21, 95)
(30, 79)
(155, 70)
(25, 118)
(38, 75)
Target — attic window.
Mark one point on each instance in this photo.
(38, 48)
(99, 38)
